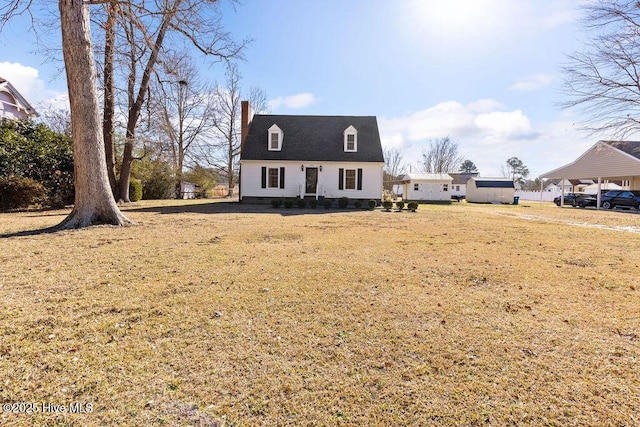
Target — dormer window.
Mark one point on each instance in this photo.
(351, 139)
(275, 137)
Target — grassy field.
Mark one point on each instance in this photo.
(220, 314)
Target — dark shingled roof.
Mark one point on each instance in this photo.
(462, 178)
(480, 183)
(629, 147)
(313, 138)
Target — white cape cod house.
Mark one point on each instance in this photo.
(286, 156)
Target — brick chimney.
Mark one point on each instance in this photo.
(244, 122)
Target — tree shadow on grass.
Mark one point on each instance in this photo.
(224, 207)
(48, 230)
(231, 207)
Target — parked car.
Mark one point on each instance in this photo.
(587, 200)
(574, 199)
(569, 199)
(623, 198)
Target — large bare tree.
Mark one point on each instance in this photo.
(140, 34)
(183, 109)
(223, 152)
(441, 157)
(393, 167)
(603, 79)
(94, 202)
(109, 98)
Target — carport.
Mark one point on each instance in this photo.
(605, 161)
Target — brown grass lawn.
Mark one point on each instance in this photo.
(221, 314)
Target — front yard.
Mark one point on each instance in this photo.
(220, 314)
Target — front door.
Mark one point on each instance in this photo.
(311, 181)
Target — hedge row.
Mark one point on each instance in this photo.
(343, 203)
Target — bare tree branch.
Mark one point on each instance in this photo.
(441, 156)
(393, 167)
(603, 80)
(14, 8)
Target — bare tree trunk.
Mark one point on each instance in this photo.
(230, 160)
(94, 202)
(127, 160)
(136, 108)
(109, 96)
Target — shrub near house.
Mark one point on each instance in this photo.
(33, 151)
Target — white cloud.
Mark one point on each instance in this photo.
(452, 118)
(438, 121)
(26, 80)
(23, 78)
(534, 82)
(486, 134)
(485, 105)
(393, 141)
(503, 123)
(299, 100)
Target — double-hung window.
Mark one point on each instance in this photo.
(275, 141)
(272, 177)
(349, 179)
(274, 181)
(351, 142)
(274, 138)
(351, 139)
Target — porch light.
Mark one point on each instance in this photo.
(302, 168)
(320, 168)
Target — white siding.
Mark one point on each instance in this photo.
(295, 176)
(187, 190)
(9, 109)
(428, 190)
(488, 194)
(458, 189)
(12, 104)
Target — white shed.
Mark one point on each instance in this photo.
(187, 190)
(490, 190)
(432, 187)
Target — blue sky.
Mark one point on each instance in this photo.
(486, 73)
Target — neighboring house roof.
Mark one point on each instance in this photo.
(493, 182)
(426, 177)
(9, 95)
(593, 188)
(462, 178)
(581, 181)
(313, 138)
(558, 183)
(629, 147)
